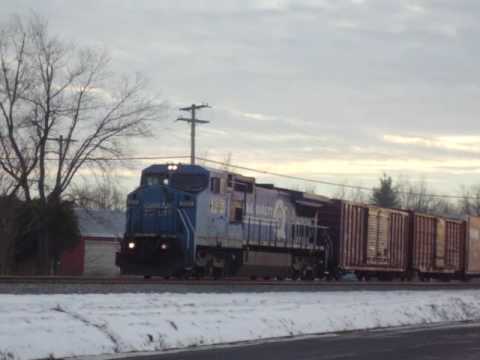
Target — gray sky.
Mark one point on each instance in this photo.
(338, 90)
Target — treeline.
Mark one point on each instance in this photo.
(22, 223)
(415, 195)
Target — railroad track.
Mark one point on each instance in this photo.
(230, 282)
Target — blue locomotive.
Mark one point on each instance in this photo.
(190, 219)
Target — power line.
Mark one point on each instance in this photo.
(121, 158)
(133, 158)
(323, 182)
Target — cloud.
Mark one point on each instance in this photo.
(469, 143)
(345, 24)
(415, 8)
(257, 116)
(300, 85)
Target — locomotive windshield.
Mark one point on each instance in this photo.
(179, 181)
(155, 179)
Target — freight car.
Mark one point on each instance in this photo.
(438, 247)
(370, 241)
(193, 220)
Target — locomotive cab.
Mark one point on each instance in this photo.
(161, 216)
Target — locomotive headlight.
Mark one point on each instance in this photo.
(131, 245)
(172, 167)
(165, 181)
(164, 246)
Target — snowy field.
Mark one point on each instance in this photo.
(40, 326)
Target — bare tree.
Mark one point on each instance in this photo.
(444, 207)
(8, 225)
(7, 185)
(354, 194)
(470, 203)
(61, 110)
(101, 193)
(418, 196)
(7, 235)
(415, 195)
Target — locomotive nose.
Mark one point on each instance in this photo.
(150, 210)
(151, 243)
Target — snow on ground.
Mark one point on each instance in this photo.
(40, 326)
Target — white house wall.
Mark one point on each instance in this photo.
(100, 258)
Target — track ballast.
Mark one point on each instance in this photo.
(62, 285)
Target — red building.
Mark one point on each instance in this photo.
(101, 231)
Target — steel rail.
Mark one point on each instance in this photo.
(131, 280)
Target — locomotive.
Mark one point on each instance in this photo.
(188, 220)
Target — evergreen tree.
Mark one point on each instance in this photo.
(386, 194)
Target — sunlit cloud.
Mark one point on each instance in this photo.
(303, 87)
(415, 8)
(98, 91)
(372, 166)
(453, 142)
(257, 116)
(345, 24)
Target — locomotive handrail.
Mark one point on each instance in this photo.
(189, 222)
(185, 224)
(190, 233)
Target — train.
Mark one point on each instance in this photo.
(190, 220)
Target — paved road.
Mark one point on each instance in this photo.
(452, 343)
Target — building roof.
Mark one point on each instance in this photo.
(101, 222)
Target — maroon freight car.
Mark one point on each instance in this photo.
(472, 258)
(438, 246)
(372, 241)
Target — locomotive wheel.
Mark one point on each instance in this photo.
(333, 275)
(359, 276)
(295, 275)
(363, 276)
(446, 278)
(217, 273)
(200, 272)
(385, 277)
(308, 275)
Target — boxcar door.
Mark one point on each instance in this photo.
(440, 246)
(473, 246)
(378, 236)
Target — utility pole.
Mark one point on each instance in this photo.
(44, 243)
(61, 156)
(193, 123)
(61, 141)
